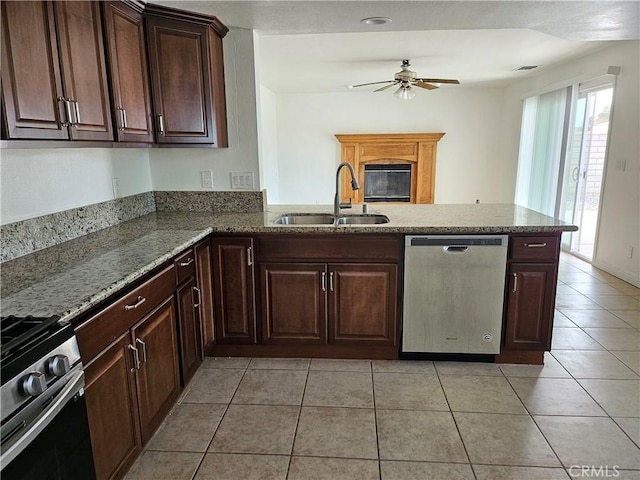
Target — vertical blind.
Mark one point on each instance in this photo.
(541, 150)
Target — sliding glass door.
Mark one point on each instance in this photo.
(584, 169)
(561, 162)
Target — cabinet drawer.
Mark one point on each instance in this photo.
(535, 248)
(107, 325)
(185, 266)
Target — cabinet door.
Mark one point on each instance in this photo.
(189, 330)
(293, 302)
(205, 285)
(363, 303)
(84, 69)
(31, 79)
(129, 76)
(234, 290)
(112, 409)
(530, 304)
(158, 375)
(181, 81)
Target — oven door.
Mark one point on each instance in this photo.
(55, 444)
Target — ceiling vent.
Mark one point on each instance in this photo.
(525, 67)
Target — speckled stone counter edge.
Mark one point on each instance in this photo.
(28, 236)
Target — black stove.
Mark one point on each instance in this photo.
(42, 388)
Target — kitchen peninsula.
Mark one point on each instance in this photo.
(75, 277)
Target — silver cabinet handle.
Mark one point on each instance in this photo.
(515, 282)
(144, 349)
(136, 358)
(187, 263)
(160, 124)
(76, 106)
(67, 108)
(123, 119)
(249, 256)
(197, 291)
(140, 301)
(331, 281)
(324, 281)
(536, 245)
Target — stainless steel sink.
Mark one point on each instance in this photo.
(305, 219)
(364, 219)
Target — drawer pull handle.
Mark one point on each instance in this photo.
(331, 281)
(515, 282)
(249, 256)
(536, 245)
(76, 106)
(187, 263)
(136, 358)
(140, 301)
(324, 281)
(67, 108)
(144, 349)
(160, 124)
(197, 291)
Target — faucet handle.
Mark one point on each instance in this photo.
(346, 205)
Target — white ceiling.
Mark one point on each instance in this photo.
(321, 46)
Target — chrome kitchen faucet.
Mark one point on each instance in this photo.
(337, 204)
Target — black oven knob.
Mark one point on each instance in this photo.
(34, 384)
(58, 365)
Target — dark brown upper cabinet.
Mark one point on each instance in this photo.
(128, 73)
(187, 76)
(54, 80)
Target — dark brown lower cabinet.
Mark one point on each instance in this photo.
(112, 409)
(320, 303)
(204, 275)
(530, 304)
(130, 388)
(294, 302)
(189, 328)
(363, 303)
(158, 375)
(234, 290)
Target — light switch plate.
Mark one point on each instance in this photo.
(242, 180)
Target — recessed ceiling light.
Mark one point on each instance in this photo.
(375, 20)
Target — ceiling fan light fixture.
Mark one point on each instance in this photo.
(375, 20)
(405, 92)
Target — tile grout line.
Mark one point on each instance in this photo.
(295, 430)
(226, 409)
(375, 419)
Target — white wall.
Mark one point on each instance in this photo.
(620, 208)
(468, 166)
(179, 168)
(38, 182)
(268, 134)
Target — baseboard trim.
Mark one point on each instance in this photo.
(621, 274)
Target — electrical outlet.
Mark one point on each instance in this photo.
(621, 164)
(115, 183)
(206, 179)
(242, 180)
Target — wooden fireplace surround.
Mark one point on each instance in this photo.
(415, 149)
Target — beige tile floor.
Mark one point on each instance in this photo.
(301, 419)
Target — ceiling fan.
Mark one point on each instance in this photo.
(406, 79)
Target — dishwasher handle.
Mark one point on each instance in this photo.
(455, 249)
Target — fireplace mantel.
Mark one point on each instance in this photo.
(415, 149)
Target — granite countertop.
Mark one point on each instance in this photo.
(70, 278)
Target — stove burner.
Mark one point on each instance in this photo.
(16, 332)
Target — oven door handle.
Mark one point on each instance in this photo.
(72, 387)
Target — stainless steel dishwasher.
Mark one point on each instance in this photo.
(453, 293)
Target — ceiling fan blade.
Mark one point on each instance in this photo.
(372, 83)
(422, 84)
(387, 86)
(438, 80)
